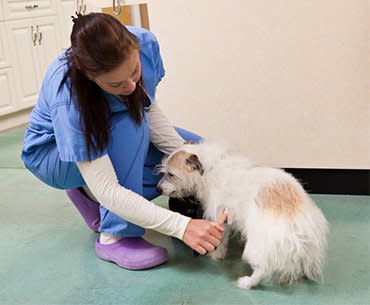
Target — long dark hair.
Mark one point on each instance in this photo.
(99, 44)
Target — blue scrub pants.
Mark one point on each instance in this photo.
(133, 158)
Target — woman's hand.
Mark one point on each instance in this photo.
(202, 236)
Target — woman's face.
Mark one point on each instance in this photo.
(122, 80)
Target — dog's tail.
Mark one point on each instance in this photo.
(287, 234)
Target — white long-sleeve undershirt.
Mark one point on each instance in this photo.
(162, 134)
(102, 181)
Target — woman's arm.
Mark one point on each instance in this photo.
(100, 177)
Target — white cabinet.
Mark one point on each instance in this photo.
(30, 40)
(34, 44)
(32, 34)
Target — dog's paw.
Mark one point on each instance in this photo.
(245, 282)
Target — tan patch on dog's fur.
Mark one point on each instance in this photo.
(178, 161)
(281, 198)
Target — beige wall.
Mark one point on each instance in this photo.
(285, 82)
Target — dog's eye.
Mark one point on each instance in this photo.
(170, 175)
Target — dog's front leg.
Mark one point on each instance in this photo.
(247, 282)
(221, 251)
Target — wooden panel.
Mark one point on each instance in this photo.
(144, 15)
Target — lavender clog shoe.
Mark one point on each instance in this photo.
(133, 253)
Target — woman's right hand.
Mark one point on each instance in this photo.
(202, 235)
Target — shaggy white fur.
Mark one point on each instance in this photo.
(285, 232)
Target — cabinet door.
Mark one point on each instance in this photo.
(48, 44)
(67, 8)
(4, 54)
(7, 101)
(24, 61)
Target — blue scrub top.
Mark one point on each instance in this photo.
(55, 118)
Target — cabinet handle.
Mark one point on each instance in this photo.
(31, 6)
(33, 35)
(39, 34)
(116, 10)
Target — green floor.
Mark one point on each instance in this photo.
(47, 255)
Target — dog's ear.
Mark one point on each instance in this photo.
(194, 163)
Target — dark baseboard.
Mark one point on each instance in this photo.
(333, 181)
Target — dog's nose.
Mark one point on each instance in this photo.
(159, 189)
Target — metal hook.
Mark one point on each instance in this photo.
(116, 10)
(78, 7)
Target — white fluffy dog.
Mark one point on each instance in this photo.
(285, 232)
